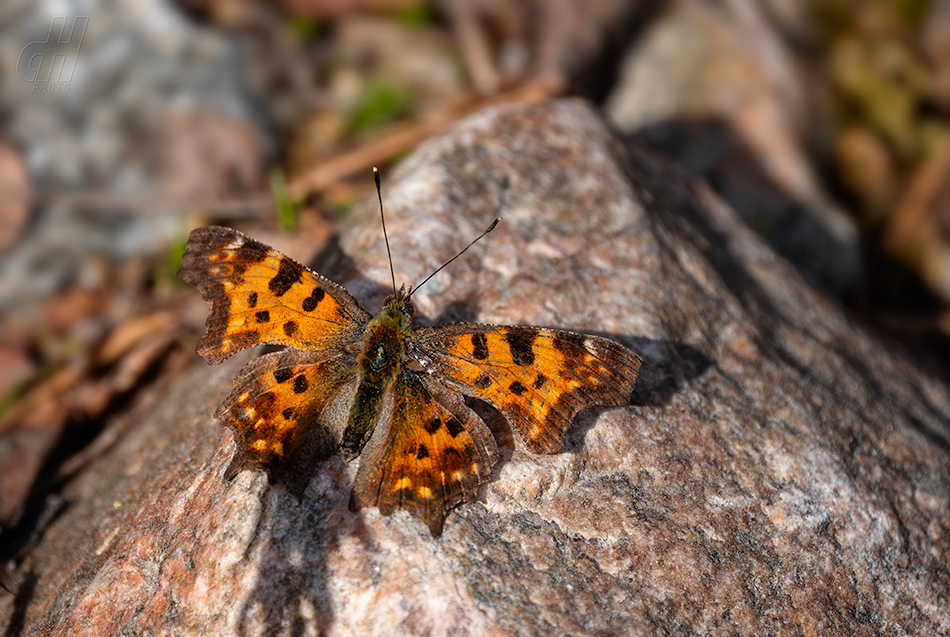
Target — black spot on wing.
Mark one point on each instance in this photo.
(433, 425)
(422, 453)
(311, 302)
(567, 343)
(521, 343)
(290, 328)
(539, 381)
(262, 317)
(252, 300)
(252, 251)
(483, 381)
(479, 346)
(288, 274)
(454, 425)
(300, 384)
(283, 375)
(288, 413)
(517, 388)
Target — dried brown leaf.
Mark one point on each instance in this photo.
(15, 195)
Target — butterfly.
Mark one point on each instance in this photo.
(374, 387)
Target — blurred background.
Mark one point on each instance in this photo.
(125, 123)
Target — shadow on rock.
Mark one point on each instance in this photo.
(290, 592)
(711, 149)
(667, 368)
(23, 595)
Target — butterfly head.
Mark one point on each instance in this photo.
(399, 302)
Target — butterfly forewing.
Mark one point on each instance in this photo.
(258, 296)
(433, 454)
(538, 378)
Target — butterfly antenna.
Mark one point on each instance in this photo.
(487, 230)
(386, 236)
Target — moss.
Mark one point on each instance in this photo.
(417, 15)
(382, 103)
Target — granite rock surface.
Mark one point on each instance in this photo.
(781, 471)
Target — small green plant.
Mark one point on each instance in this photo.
(342, 208)
(383, 102)
(305, 27)
(417, 15)
(12, 396)
(287, 210)
(176, 250)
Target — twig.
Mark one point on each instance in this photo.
(364, 157)
(102, 202)
(475, 49)
(917, 202)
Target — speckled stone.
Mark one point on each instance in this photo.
(781, 471)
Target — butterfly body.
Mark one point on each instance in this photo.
(381, 360)
(374, 387)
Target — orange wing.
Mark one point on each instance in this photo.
(288, 410)
(538, 378)
(433, 454)
(258, 296)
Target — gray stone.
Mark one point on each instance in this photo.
(780, 471)
(712, 86)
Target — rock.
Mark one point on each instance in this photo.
(780, 470)
(713, 87)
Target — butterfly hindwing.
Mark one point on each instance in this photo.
(433, 454)
(287, 410)
(258, 296)
(538, 378)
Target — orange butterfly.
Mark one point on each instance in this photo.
(371, 386)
